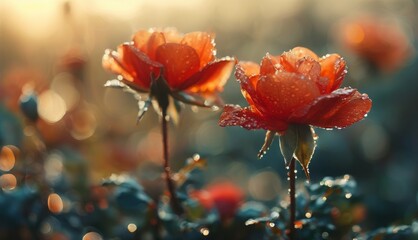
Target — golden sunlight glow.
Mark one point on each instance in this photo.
(38, 15)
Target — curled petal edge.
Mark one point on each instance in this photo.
(234, 115)
(339, 109)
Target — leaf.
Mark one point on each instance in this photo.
(299, 141)
(267, 142)
(306, 144)
(191, 99)
(288, 143)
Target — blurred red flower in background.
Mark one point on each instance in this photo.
(225, 196)
(185, 62)
(380, 41)
(296, 87)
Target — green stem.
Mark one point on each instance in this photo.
(174, 202)
(292, 194)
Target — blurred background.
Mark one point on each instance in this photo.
(53, 49)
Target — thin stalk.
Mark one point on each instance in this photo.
(292, 194)
(174, 202)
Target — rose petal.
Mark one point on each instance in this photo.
(309, 67)
(290, 60)
(234, 115)
(248, 68)
(301, 52)
(283, 92)
(203, 44)
(172, 35)
(155, 40)
(268, 65)
(111, 62)
(211, 78)
(334, 68)
(248, 84)
(133, 65)
(339, 109)
(140, 39)
(139, 65)
(180, 63)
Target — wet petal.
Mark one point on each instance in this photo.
(172, 35)
(180, 63)
(301, 52)
(339, 109)
(248, 68)
(111, 62)
(155, 40)
(283, 92)
(138, 65)
(309, 67)
(203, 44)
(211, 78)
(248, 83)
(334, 68)
(269, 65)
(234, 115)
(290, 60)
(140, 39)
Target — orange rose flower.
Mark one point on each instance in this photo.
(289, 94)
(165, 62)
(296, 87)
(383, 43)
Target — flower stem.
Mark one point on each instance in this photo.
(292, 194)
(174, 202)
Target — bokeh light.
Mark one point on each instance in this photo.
(264, 185)
(51, 106)
(132, 227)
(8, 181)
(92, 236)
(7, 158)
(55, 204)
